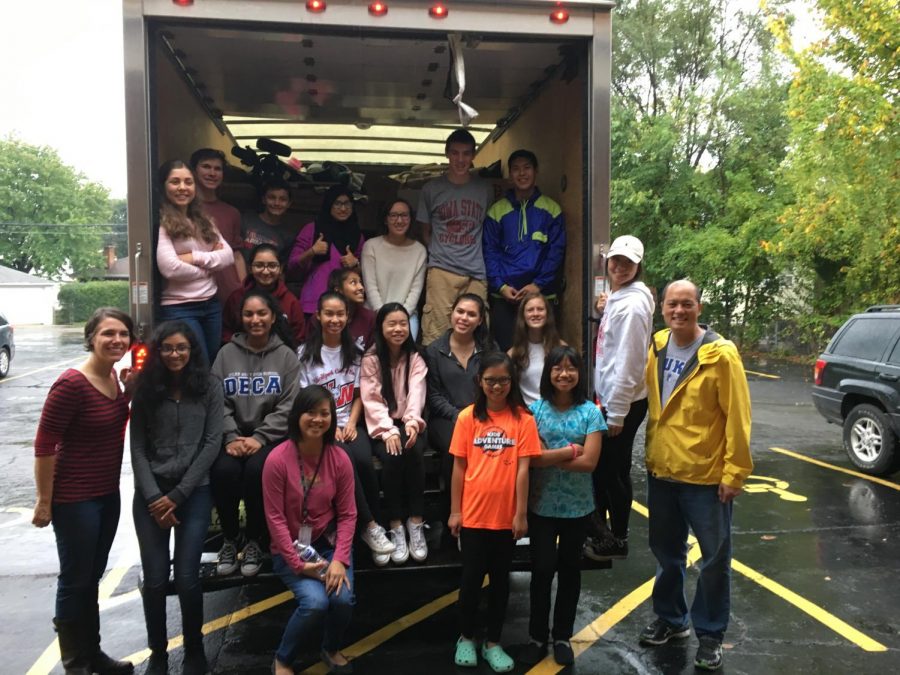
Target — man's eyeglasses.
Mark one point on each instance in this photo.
(271, 266)
(496, 381)
(168, 350)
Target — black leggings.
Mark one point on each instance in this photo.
(563, 559)
(403, 473)
(440, 433)
(612, 477)
(366, 481)
(231, 479)
(484, 552)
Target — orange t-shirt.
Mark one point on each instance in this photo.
(492, 450)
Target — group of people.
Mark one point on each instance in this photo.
(289, 413)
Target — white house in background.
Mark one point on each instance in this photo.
(26, 299)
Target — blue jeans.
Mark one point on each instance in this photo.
(194, 516)
(205, 319)
(314, 608)
(84, 535)
(673, 508)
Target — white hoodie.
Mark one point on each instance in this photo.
(620, 356)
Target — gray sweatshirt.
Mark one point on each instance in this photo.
(174, 446)
(259, 388)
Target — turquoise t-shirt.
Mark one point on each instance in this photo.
(552, 492)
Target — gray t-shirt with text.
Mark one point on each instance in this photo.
(456, 214)
(676, 360)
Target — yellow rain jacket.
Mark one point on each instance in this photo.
(702, 435)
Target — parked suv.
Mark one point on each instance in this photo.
(857, 384)
(7, 345)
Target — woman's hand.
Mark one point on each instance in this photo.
(336, 577)
(520, 526)
(349, 260)
(350, 433)
(412, 433)
(166, 520)
(320, 247)
(251, 446)
(392, 444)
(600, 306)
(235, 448)
(187, 257)
(339, 435)
(313, 570)
(43, 512)
(162, 506)
(454, 523)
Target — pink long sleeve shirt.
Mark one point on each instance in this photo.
(410, 399)
(190, 282)
(315, 273)
(330, 499)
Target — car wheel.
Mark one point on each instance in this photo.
(4, 362)
(869, 440)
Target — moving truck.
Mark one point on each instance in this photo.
(366, 88)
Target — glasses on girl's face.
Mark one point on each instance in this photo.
(343, 204)
(270, 266)
(398, 216)
(558, 370)
(496, 381)
(168, 350)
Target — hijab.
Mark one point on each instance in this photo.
(338, 234)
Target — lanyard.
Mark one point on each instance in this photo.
(307, 487)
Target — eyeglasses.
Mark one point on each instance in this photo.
(343, 204)
(271, 266)
(398, 216)
(168, 350)
(563, 369)
(496, 381)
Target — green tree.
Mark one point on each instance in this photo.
(51, 216)
(842, 231)
(698, 134)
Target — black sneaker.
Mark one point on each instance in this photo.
(709, 653)
(533, 653)
(660, 632)
(562, 653)
(610, 548)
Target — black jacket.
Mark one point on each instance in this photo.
(450, 387)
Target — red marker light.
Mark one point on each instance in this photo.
(138, 356)
(183, 3)
(315, 6)
(559, 16)
(377, 8)
(819, 371)
(438, 11)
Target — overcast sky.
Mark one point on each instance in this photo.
(62, 85)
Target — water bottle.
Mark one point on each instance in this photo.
(310, 555)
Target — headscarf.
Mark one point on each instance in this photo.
(338, 234)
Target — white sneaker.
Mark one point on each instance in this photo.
(401, 552)
(377, 540)
(418, 548)
(381, 559)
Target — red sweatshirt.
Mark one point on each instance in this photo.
(231, 312)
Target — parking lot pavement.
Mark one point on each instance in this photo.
(815, 554)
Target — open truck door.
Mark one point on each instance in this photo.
(371, 92)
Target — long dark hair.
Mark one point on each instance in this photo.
(514, 399)
(155, 381)
(549, 338)
(336, 279)
(307, 398)
(556, 356)
(480, 334)
(383, 352)
(177, 225)
(281, 328)
(312, 347)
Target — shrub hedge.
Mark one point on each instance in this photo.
(79, 299)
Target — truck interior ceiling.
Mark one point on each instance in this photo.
(374, 108)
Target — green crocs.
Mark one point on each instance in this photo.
(466, 656)
(497, 659)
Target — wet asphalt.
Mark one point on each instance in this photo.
(814, 583)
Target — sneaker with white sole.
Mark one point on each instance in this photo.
(251, 558)
(227, 563)
(381, 559)
(418, 547)
(401, 550)
(376, 539)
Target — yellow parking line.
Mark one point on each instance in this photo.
(38, 370)
(46, 661)
(837, 625)
(849, 472)
(766, 375)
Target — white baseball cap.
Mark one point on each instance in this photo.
(628, 246)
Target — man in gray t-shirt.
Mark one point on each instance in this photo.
(674, 364)
(451, 213)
